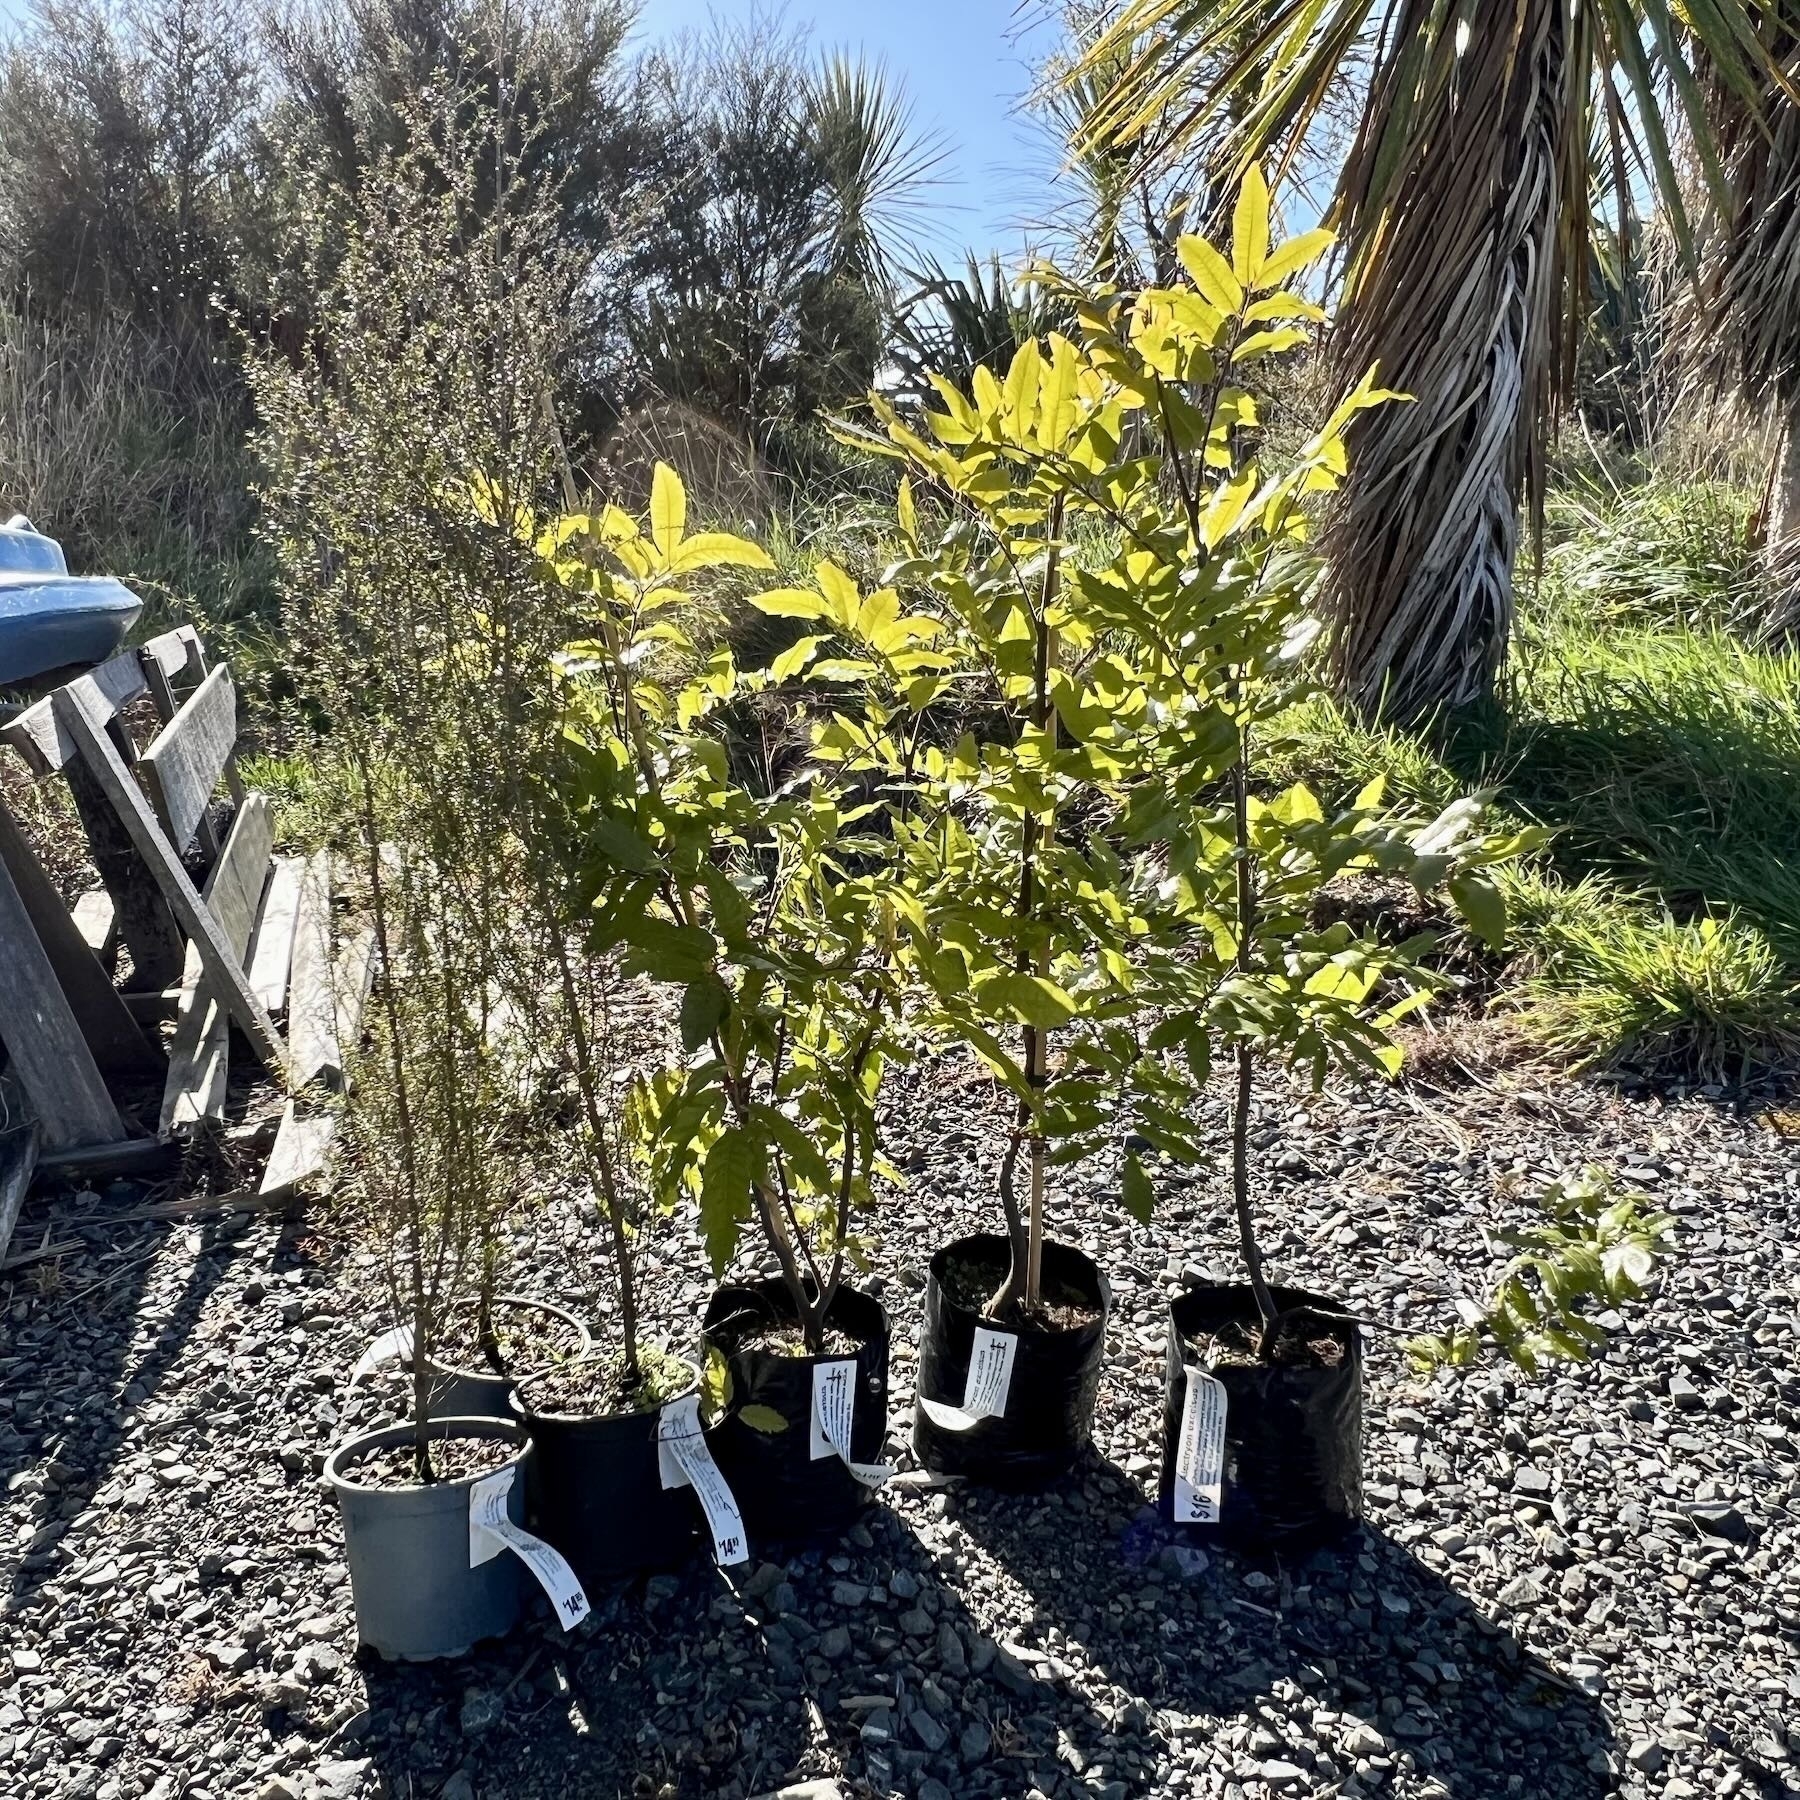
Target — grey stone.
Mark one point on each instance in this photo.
(928, 1731)
(343, 1780)
(975, 1742)
(482, 1709)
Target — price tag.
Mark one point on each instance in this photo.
(491, 1531)
(988, 1384)
(391, 1346)
(685, 1461)
(833, 1413)
(1200, 1453)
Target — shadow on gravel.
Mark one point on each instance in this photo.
(855, 1657)
(1364, 1631)
(80, 1379)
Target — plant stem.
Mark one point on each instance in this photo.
(1246, 1055)
(1037, 835)
(413, 1210)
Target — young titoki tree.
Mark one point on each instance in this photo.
(771, 912)
(1098, 899)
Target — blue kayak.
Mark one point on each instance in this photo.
(50, 619)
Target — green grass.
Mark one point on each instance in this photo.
(1611, 981)
(1661, 931)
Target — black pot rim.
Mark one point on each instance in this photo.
(530, 1415)
(448, 1372)
(775, 1287)
(400, 1430)
(1240, 1297)
(1030, 1329)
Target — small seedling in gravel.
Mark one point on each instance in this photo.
(1598, 1246)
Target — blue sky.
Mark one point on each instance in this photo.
(965, 64)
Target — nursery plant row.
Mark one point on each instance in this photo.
(1006, 800)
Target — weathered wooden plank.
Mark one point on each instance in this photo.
(191, 912)
(312, 1006)
(302, 1153)
(105, 1162)
(272, 951)
(199, 1053)
(163, 657)
(144, 919)
(185, 760)
(18, 1163)
(351, 978)
(93, 914)
(101, 693)
(49, 1054)
(112, 1036)
(173, 653)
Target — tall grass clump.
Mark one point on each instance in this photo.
(1667, 757)
(1661, 554)
(1615, 982)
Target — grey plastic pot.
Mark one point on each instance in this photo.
(483, 1394)
(408, 1549)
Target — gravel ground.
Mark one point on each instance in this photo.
(1581, 1586)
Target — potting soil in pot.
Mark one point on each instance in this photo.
(801, 1441)
(1010, 1404)
(1263, 1454)
(603, 1489)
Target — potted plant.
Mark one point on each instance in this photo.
(1100, 905)
(768, 911)
(411, 625)
(621, 1454)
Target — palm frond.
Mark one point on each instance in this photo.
(878, 162)
(1493, 135)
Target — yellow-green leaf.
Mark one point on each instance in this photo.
(1294, 255)
(717, 549)
(1210, 273)
(1022, 389)
(1031, 999)
(668, 510)
(1250, 229)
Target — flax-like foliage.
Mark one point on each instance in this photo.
(1466, 204)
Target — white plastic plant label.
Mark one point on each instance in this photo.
(989, 1382)
(833, 1413)
(685, 1461)
(491, 1532)
(1200, 1454)
(392, 1346)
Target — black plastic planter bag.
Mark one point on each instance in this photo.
(598, 1495)
(1028, 1410)
(788, 1482)
(1282, 1468)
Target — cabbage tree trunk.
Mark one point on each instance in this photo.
(1455, 308)
(1778, 607)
